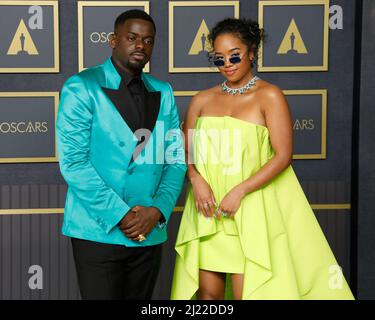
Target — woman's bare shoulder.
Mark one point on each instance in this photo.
(269, 94)
(208, 93)
(204, 97)
(267, 89)
(272, 99)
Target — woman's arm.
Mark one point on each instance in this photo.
(279, 123)
(203, 195)
(192, 113)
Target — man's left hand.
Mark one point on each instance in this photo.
(142, 222)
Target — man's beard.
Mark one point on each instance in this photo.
(136, 65)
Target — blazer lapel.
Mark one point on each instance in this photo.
(111, 87)
(152, 104)
(150, 114)
(152, 108)
(123, 94)
(115, 90)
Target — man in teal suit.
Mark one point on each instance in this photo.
(121, 153)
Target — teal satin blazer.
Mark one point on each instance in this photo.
(95, 146)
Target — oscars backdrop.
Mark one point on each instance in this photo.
(308, 53)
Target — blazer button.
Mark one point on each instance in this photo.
(121, 144)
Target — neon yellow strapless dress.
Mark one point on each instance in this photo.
(274, 239)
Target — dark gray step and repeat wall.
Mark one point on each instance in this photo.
(308, 53)
(365, 149)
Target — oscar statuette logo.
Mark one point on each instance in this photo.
(30, 40)
(298, 32)
(292, 42)
(201, 45)
(22, 42)
(189, 26)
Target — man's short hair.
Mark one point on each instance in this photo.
(133, 14)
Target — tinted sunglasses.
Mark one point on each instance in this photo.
(234, 59)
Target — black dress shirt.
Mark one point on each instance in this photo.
(137, 89)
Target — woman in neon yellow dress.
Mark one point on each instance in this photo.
(247, 230)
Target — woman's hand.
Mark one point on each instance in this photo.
(231, 202)
(203, 195)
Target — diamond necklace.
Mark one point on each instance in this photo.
(240, 90)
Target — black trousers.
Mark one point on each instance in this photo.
(108, 271)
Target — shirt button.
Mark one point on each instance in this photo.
(121, 144)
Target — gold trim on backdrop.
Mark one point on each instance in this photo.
(56, 67)
(55, 95)
(82, 4)
(32, 211)
(177, 209)
(324, 3)
(172, 4)
(185, 93)
(323, 92)
(335, 206)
